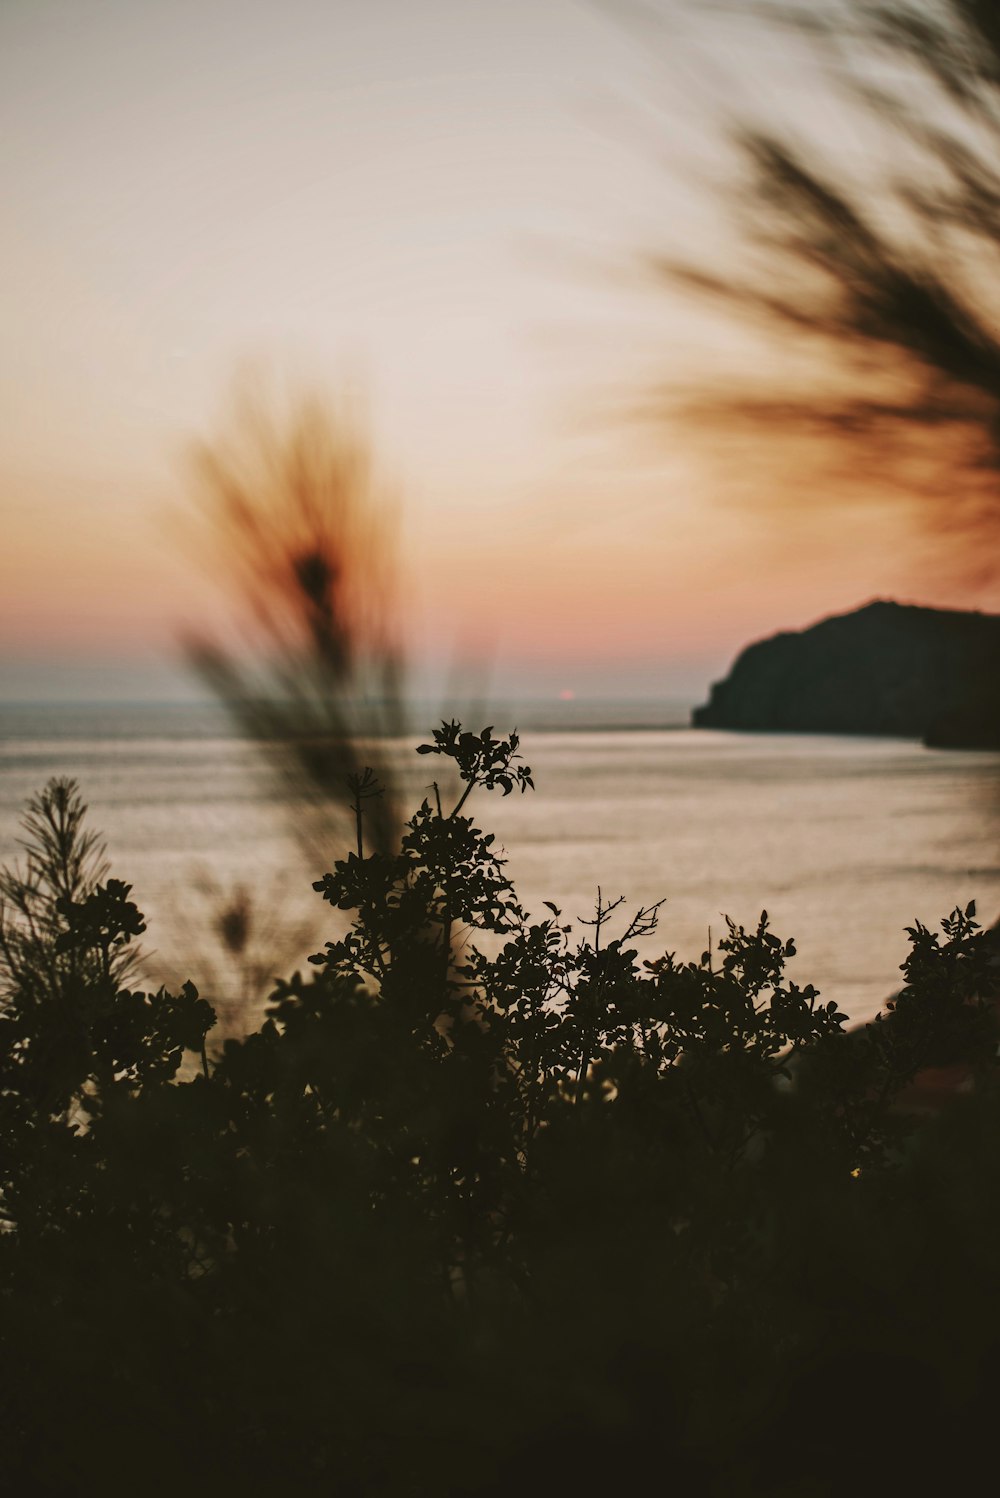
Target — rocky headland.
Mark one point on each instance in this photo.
(885, 669)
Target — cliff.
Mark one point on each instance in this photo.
(887, 669)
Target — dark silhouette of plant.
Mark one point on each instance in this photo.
(63, 867)
(448, 1221)
(303, 540)
(880, 279)
(292, 521)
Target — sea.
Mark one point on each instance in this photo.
(843, 841)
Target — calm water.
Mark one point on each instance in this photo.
(844, 841)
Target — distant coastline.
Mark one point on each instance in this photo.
(886, 669)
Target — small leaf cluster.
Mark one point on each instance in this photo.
(480, 758)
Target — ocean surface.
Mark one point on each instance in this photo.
(844, 841)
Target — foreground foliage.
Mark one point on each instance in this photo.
(456, 1223)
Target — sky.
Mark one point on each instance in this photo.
(438, 203)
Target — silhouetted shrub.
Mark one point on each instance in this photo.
(458, 1224)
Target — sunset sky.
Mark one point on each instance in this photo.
(439, 203)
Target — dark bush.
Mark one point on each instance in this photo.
(458, 1224)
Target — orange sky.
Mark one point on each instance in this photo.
(425, 197)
